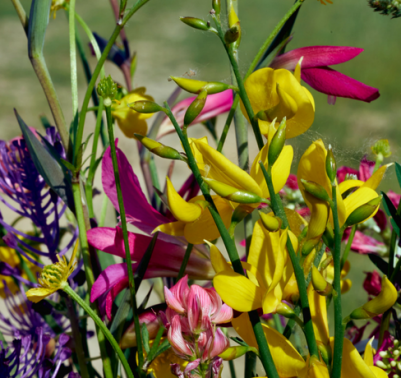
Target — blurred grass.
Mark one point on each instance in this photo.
(167, 47)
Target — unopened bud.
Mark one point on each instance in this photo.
(315, 190)
(196, 23)
(363, 212)
(145, 107)
(107, 89)
(196, 86)
(216, 5)
(331, 166)
(262, 115)
(321, 286)
(384, 354)
(233, 194)
(235, 29)
(308, 247)
(277, 143)
(195, 108)
(270, 223)
(235, 352)
(381, 365)
(381, 148)
(328, 235)
(159, 149)
(232, 34)
(286, 311)
(326, 262)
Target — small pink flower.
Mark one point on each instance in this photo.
(177, 341)
(372, 283)
(364, 244)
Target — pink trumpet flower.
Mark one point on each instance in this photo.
(316, 73)
(215, 104)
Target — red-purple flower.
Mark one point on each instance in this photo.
(316, 73)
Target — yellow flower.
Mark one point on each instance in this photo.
(130, 121)
(279, 94)
(368, 358)
(57, 5)
(194, 220)
(268, 272)
(53, 277)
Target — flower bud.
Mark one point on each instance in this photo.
(145, 107)
(195, 108)
(232, 34)
(286, 311)
(107, 89)
(232, 353)
(159, 149)
(270, 223)
(216, 5)
(277, 143)
(316, 190)
(363, 212)
(196, 86)
(308, 247)
(321, 286)
(196, 23)
(233, 194)
(331, 166)
(381, 149)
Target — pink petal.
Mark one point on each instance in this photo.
(111, 276)
(112, 294)
(219, 345)
(194, 314)
(342, 172)
(225, 315)
(394, 198)
(192, 366)
(333, 83)
(292, 182)
(215, 104)
(364, 244)
(216, 302)
(381, 219)
(315, 56)
(173, 302)
(366, 169)
(137, 207)
(180, 290)
(199, 307)
(176, 339)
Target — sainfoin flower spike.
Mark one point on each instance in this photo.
(53, 277)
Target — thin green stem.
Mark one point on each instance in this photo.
(228, 123)
(123, 218)
(95, 75)
(250, 365)
(392, 272)
(348, 246)
(231, 248)
(103, 210)
(338, 317)
(102, 327)
(73, 61)
(278, 210)
(185, 261)
(21, 14)
(277, 323)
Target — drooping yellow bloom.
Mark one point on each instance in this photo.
(194, 220)
(268, 272)
(279, 94)
(53, 277)
(368, 358)
(130, 121)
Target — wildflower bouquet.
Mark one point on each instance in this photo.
(214, 305)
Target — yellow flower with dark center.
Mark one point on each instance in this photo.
(53, 278)
(279, 94)
(130, 121)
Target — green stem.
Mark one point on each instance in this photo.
(250, 365)
(231, 248)
(348, 247)
(90, 278)
(228, 123)
(277, 323)
(278, 210)
(338, 318)
(95, 75)
(73, 60)
(185, 261)
(103, 210)
(21, 14)
(102, 327)
(131, 278)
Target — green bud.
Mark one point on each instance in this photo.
(262, 115)
(196, 23)
(236, 351)
(232, 34)
(145, 107)
(286, 311)
(315, 190)
(328, 236)
(321, 286)
(360, 313)
(363, 212)
(308, 247)
(381, 148)
(159, 149)
(277, 143)
(270, 223)
(107, 89)
(331, 166)
(216, 5)
(196, 86)
(233, 194)
(195, 108)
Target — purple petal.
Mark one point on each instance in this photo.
(315, 56)
(333, 83)
(139, 212)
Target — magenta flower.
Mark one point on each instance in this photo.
(373, 283)
(215, 104)
(364, 244)
(316, 73)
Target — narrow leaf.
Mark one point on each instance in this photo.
(143, 265)
(391, 210)
(121, 315)
(398, 173)
(145, 338)
(162, 348)
(38, 21)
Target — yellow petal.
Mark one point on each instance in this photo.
(374, 180)
(368, 354)
(346, 286)
(219, 263)
(160, 366)
(317, 305)
(357, 199)
(348, 184)
(237, 291)
(296, 222)
(379, 373)
(317, 369)
(385, 300)
(173, 228)
(182, 210)
(353, 366)
(37, 294)
(216, 166)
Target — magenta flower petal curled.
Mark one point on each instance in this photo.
(173, 302)
(176, 339)
(333, 83)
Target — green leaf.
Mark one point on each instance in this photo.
(155, 345)
(162, 348)
(45, 122)
(67, 165)
(398, 173)
(145, 337)
(38, 21)
(121, 316)
(143, 265)
(47, 166)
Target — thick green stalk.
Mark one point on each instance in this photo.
(231, 248)
(73, 61)
(338, 317)
(278, 210)
(102, 327)
(90, 278)
(96, 73)
(21, 14)
(185, 261)
(131, 278)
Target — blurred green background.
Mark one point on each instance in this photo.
(165, 46)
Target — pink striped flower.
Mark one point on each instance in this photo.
(316, 72)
